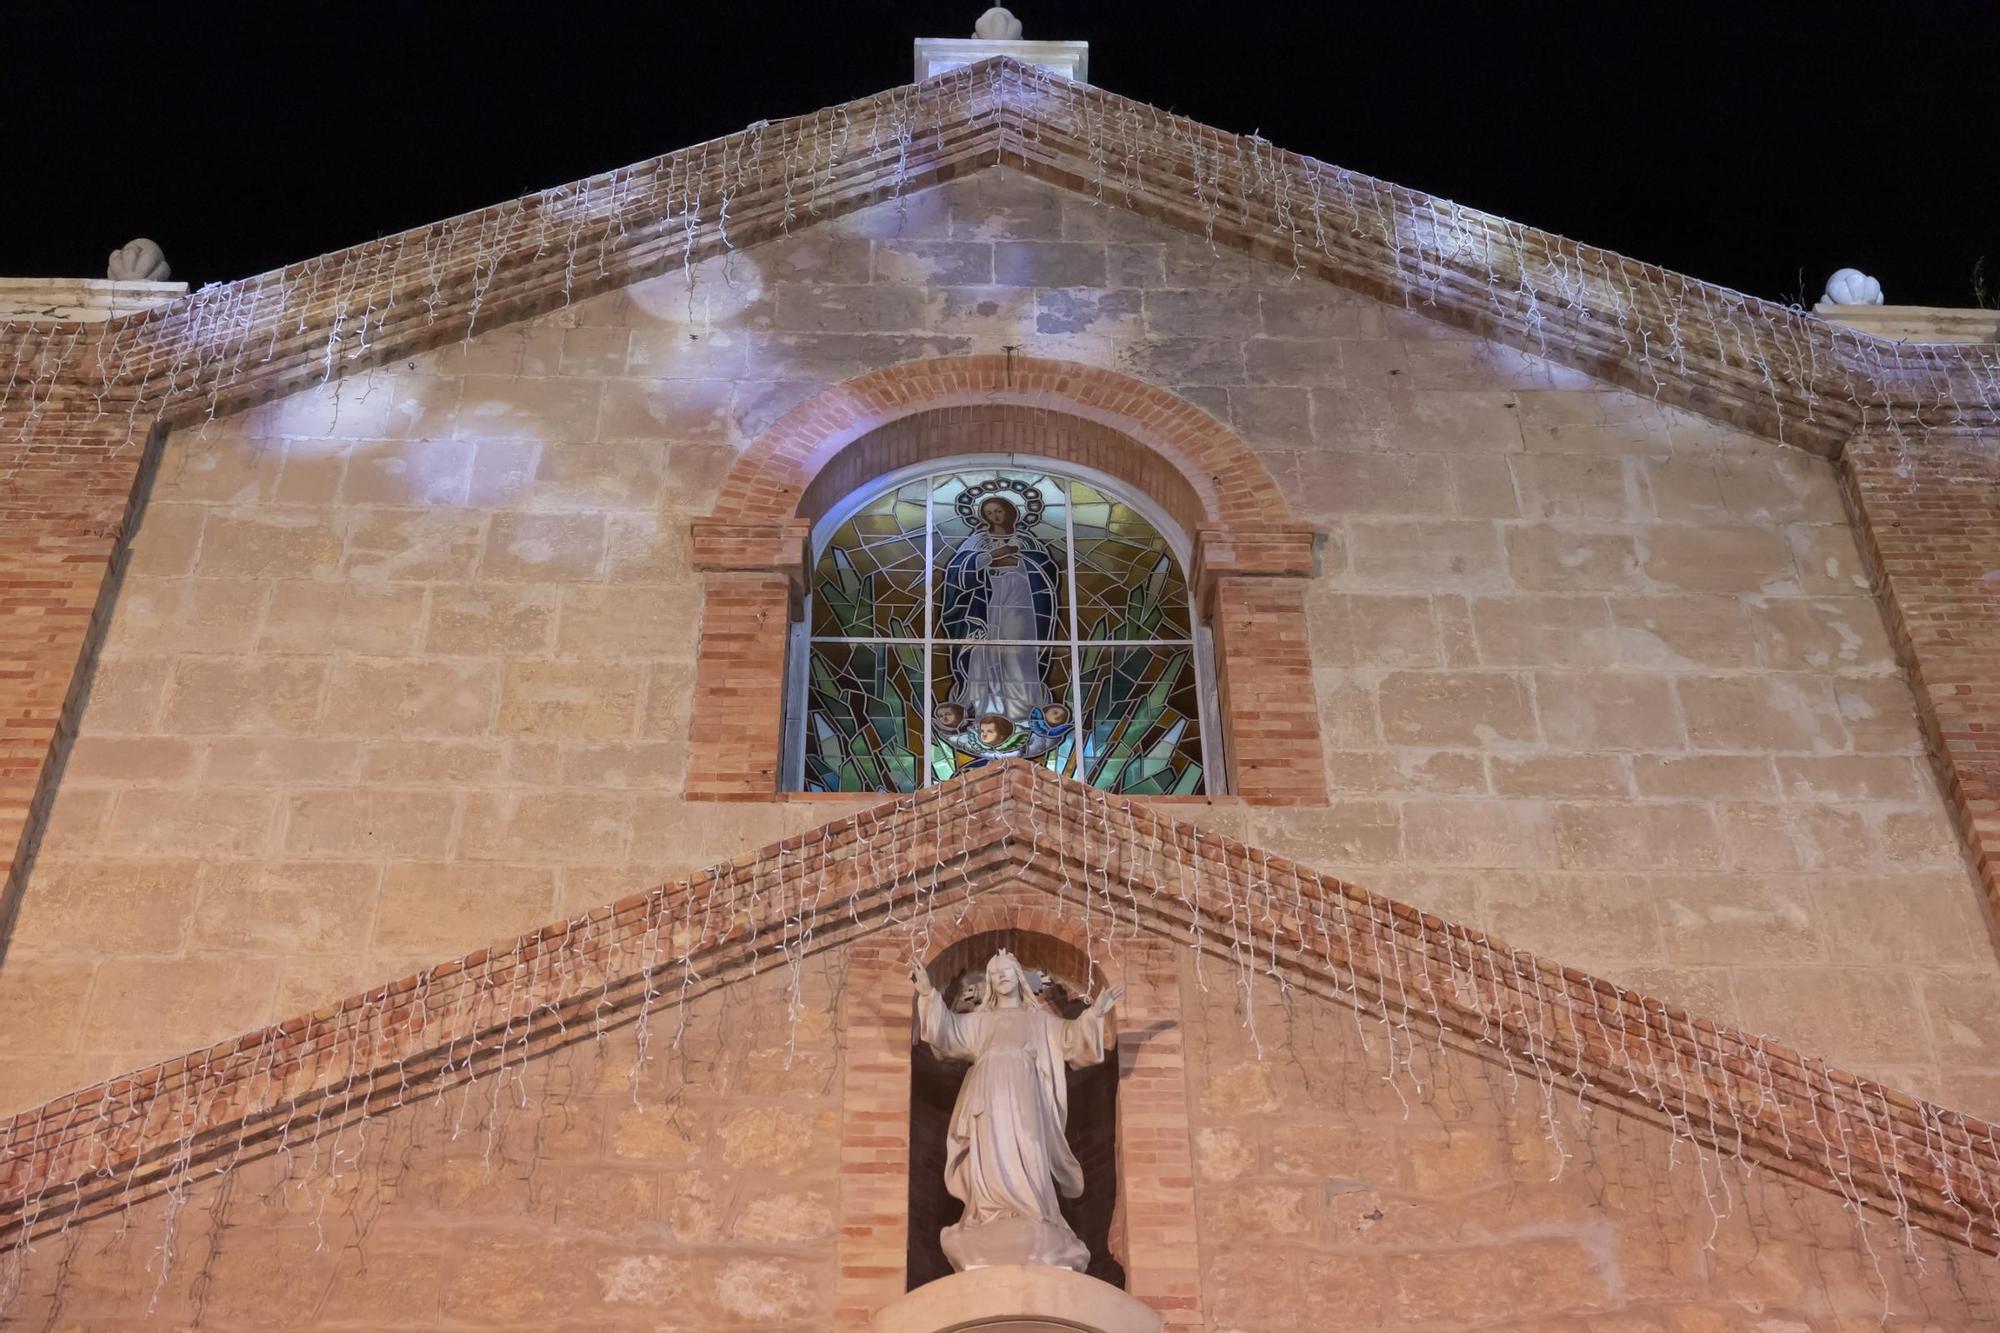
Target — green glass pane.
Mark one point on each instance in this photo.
(864, 726)
(1141, 733)
(869, 579)
(1128, 584)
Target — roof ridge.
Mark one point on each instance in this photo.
(887, 867)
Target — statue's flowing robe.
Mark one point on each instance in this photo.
(1015, 601)
(1006, 1154)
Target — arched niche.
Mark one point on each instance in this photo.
(1093, 1106)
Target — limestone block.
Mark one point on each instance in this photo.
(1738, 919)
(1698, 777)
(1478, 833)
(125, 694)
(41, 1007)
(1775, 712)
(86, 908)
(582, 700)
(491, 620)
(934, 263)
(154, 1004)
(1719, 559)
(544, 548)
(1859, 1017)
(1823, 634)
(167, 538)
(1430, 555)
(1559, 558)
(1927, 919)
(584, 828)
(1527, 631)
(285, 908)
(615, 621)
(645, 548)
(1048, 263)
(496, 407)
(1457, 708)
(1636, 837)
(407, 473)
(269, 542)
(323, 618)
(369, 822)
(440, 909)
(191, 822)
(412, 545)
(593, 352)
(139, 760)
(392, 696)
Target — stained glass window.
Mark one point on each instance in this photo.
(969, 612)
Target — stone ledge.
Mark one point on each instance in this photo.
(82, 300)
(942, 55)
(1915, 323)
(1017, 1299)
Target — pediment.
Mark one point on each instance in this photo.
(899, 871)
(1748, 362)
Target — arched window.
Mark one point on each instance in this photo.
(978, 609)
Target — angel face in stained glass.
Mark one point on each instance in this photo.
(1000, 613)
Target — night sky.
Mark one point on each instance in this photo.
(1756, 144)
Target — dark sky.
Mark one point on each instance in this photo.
(1747, 143)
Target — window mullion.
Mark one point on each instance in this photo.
(1075, 653)
(925, 776)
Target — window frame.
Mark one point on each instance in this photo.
(1200, 642)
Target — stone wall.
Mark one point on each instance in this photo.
(403, 665)
(693, 1186)
(741, 1174)
(1332, 1200)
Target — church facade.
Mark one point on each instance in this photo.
(995, 515)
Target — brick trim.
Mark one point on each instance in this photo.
(770, 479)
(879, 874)
(1928, 519)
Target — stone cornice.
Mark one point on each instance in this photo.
(885, 868)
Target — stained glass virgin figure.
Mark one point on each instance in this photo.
(1000, 612)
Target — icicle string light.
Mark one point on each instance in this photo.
(308, 1087)
(1751, 362)
(471, 1025)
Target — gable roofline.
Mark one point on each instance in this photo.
(889, 868)
(1753, 363)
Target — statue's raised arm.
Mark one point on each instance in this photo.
(1006, 1153)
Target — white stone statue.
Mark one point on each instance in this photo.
(1850, 286)
(997, 25)
(138, 261)
(1005, 1155)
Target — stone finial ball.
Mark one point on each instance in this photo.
(1850, 286)
(138, 261)
(997, 25)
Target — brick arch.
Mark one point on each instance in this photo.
(1248, 563)
(1214, 465)
(1040, 936)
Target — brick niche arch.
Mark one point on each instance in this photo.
(1157, 1247)
(1248, 568)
